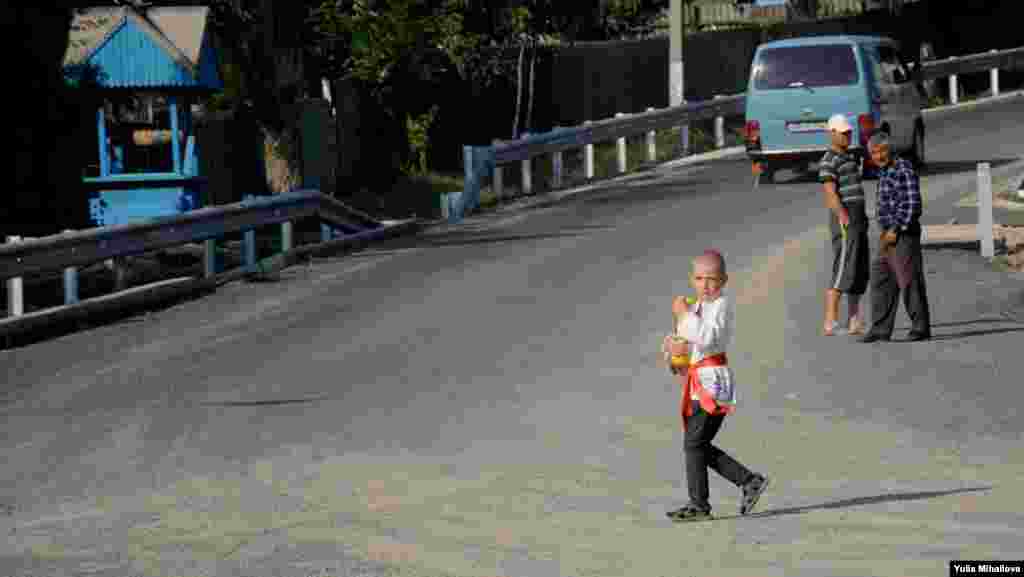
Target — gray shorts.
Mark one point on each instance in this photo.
(850, 258)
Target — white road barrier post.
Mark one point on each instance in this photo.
(588, 157)
(621, 149)
(15, 290)
(985, 210)
(527, 170)
(652, 153)
(70, 282)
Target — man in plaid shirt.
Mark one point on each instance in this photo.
(899, 266)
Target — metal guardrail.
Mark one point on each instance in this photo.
(993, 61)
(69, 250)
(1011, 59)
(562, 139)
(56, 252)
(487, 161)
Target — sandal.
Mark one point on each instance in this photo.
(831, 328)
(856, 328)
(689, 513)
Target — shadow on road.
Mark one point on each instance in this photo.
(858, 501)
(1002, 321)
(263, 403)
(966, 334)
(953, 166)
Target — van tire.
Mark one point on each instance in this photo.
(917, 153)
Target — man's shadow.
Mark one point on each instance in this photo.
(858, 501)
(965, 334)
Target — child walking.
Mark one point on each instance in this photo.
(706, 328)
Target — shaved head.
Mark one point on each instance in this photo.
(711, 259)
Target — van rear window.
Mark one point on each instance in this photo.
(800, 66)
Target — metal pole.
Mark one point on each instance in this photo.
(588, 157)
(250, 249)
(209, 257)
(556, 165)
(286, 236)
(652, 153)
(15, 290)
(120, 272)
(172, 102)
(719, 128)
(70, 282)
(985, 210)
(994, 78)
(497, 182)
(526, 170)
(249, 246)
(621, 146)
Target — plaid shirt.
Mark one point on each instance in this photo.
(899, 195)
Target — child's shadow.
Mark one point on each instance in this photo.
(856, 502)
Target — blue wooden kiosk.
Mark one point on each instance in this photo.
(163, 58)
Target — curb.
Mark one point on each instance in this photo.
(106, 308)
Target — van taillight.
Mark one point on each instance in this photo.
(753, 131)
(867, 126)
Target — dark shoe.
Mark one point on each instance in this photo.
(913, 336)
(752, 490)
(689, 513)
(872, 337)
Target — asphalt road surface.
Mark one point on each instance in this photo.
(487, 400)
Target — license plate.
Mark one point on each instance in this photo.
(807, 126)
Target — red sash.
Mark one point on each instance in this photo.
(692, 383)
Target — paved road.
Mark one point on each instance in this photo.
(487, 401)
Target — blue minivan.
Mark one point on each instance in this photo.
(797, 84)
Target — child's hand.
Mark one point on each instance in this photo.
(677, 346)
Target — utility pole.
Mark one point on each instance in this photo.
(677, 37)
(677, 31)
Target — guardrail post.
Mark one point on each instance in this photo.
(652, 153)
(588, 156)
(527, 171)
(719, 128)
(954, 93)
(249, 245)
(70, 282)
(249, 248)
(497, 181)
(985, 210)
(620, 145)
(556, 164)
(994, 78)
(15, 290)
(684, 136)
(209, 257)
(116, 265)
(287, 240)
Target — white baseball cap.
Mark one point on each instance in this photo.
(839, 123)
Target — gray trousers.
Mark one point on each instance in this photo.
(900, 269)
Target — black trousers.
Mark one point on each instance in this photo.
(900, 269)
(701, 429)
